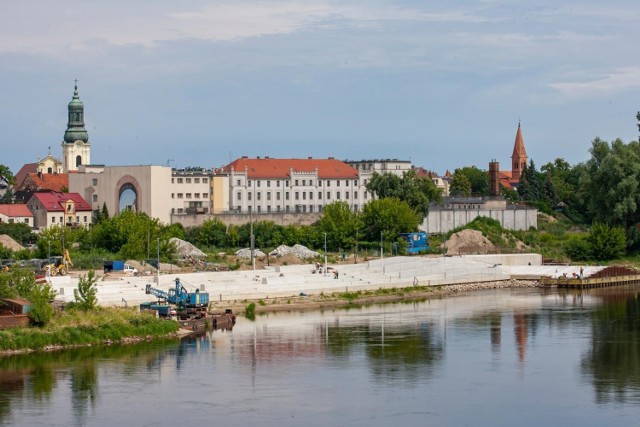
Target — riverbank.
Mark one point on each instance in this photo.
(76, 328)
(365, 297)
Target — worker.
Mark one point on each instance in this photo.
(335, 274)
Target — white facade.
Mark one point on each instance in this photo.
(159, 190)
(76, 154)
(394, 166)
(301, 192)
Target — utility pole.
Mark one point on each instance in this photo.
(381, 246)
(325, 254)
(158, 271)
(355, 257)
(252, 238)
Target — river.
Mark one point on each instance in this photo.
(489, 358)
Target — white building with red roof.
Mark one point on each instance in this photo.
(267, 185)
(16, 213)
(53, 208)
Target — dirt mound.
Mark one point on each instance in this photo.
(469, 242)
(9, 243)
(186, 250)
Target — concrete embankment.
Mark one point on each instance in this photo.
(294, 280)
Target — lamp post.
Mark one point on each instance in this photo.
(325, 254)
(158, 270)
(381, 246)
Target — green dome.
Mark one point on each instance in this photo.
(75, 127)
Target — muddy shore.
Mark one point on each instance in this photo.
(337, 300)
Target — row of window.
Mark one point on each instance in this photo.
(304, 183)
(53, 219)
(297, 209)
(189, 196)
(12, 220)
(188, 180)
(297, 195)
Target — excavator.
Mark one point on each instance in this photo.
(59, 265)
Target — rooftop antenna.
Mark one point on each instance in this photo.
(170, 160)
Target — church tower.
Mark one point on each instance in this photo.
(519, 156)
(76, 148)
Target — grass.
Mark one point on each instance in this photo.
(79, 328)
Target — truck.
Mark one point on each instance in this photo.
(416, 242)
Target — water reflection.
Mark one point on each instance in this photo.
(34, 378)
(613, 360)
(513, 343)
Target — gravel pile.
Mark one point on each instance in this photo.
(186, 249)
(246, 253)
(299, 251)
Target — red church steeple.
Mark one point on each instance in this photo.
(519, 156)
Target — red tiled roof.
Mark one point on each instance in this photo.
(54, 201)
(505, 179)
(24, 171)
(50, 181)
(17, 210)
(280, 168)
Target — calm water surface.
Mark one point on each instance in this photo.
(493, 358)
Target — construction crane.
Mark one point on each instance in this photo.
(186, 302)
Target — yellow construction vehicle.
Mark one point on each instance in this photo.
(59, 265)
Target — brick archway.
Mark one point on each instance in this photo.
(127, 182)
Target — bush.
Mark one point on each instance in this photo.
(579, 249)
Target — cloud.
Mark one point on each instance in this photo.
(48, 27)
(612, 82)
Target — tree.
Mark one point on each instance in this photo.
(389, 216)
(21, 282)
(530, 185)
(478, 179)
(607, 242)
(417, 191)
(609, 184)
(6, 175)
(341, 224)
(85, 295)
(460, 185)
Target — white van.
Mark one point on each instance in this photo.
(128, 268)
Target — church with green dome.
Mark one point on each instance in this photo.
(76, 148)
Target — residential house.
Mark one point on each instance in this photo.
(54, 208)
(16, 213)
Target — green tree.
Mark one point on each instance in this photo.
(211, 233)
(21, 282)
(606, 241)
(19, 232)
(416, 191)
(85, 296)
(478, 179)
(6, 175)
(389, 216)
(609, 183)
(530, 187)
(341, 224)
(460, 185)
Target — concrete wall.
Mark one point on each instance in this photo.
(239, 219)
(445, 220)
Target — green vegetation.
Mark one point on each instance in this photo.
(85, 295)
(78, 328)
(250, 311)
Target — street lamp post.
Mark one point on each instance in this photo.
(158, 271)
(381, 247)
(325, 254)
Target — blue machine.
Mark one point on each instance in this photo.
(180, 297)
(416, 242)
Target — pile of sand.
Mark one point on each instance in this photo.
(9, 243)
(469, 242)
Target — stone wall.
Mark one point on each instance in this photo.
(239, 219)
(445, 220)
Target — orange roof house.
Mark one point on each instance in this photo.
(16, 213)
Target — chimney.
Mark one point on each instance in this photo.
(494, 180)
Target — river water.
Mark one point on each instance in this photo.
(491, 358)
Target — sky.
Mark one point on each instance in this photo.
(200, 83)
